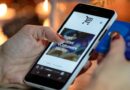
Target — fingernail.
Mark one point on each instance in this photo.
(61, 36)
(62, 39)
(115, 36)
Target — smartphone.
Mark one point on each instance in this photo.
(59, 64)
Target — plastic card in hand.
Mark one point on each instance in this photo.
(122, 28)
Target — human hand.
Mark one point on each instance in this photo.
(84, 77)
(113, 72)
(20, 51)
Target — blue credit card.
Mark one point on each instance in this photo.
(121, 27)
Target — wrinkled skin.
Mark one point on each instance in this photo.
(20, 51)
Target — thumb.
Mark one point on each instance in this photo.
(117, 47)
(117, 44)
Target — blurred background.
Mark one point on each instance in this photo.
(14, 14)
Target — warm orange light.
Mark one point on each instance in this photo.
(46, 22)
(43, 9)
(3, 9)
(46, 6)
(3, 38)
(6, 13)
(62, 7)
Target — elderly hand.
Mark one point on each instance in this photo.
(20, 51)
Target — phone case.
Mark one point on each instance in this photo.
(122, 28)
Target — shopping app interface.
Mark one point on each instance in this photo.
(79, 32)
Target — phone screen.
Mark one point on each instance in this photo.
(60, 60)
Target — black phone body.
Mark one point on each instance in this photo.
(58, 65)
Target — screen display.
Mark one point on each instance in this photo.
(59, 60)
